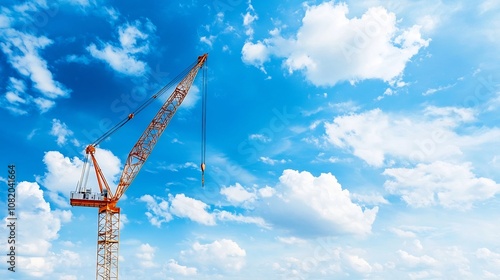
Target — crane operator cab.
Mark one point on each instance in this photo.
(87, 198)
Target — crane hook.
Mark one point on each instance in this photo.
(203, 175)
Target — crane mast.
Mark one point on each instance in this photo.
(108, 234)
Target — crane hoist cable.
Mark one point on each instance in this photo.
(204, 124)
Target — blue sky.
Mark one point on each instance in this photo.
(345, 140)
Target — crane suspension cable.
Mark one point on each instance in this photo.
(82, 183)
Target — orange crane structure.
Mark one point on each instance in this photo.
(108, 231)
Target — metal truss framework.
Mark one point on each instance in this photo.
(108, 236)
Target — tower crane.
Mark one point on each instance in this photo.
(108, 231)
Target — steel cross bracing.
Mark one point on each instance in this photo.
(108, 236)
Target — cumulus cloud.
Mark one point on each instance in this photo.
(61, 176)
(301, 203)
(34, 210)
(237, 194)
(266, 191)
(146, 256)
(38, 259)
(255, 54)
(176, 268)
(224, 255)
(329, 47)
(427, 136)
(162, 211)
(440, 183)
(329, 259)
(358, 264)
(125, 57)
(412, 260)
(370, 199)
(309, 205)
(488, 256)
(196, 210)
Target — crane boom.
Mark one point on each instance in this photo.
(144, 146)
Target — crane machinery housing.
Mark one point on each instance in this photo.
(108, 230)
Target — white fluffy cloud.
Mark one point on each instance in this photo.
(176, 268)
(224, 254)
(301, 203)
(255, 54)
(146, 256)
(35, 211)
(310, 205)
(266, 191)
(133, 43)
(162, 211)
(237, 194)
(329, 47)
(35, 240)
(358, 264)
(23, 51)
(440, 183)
(158, 212)
(196, 210)
(488, 256)
(328, 259)
(427, 136)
